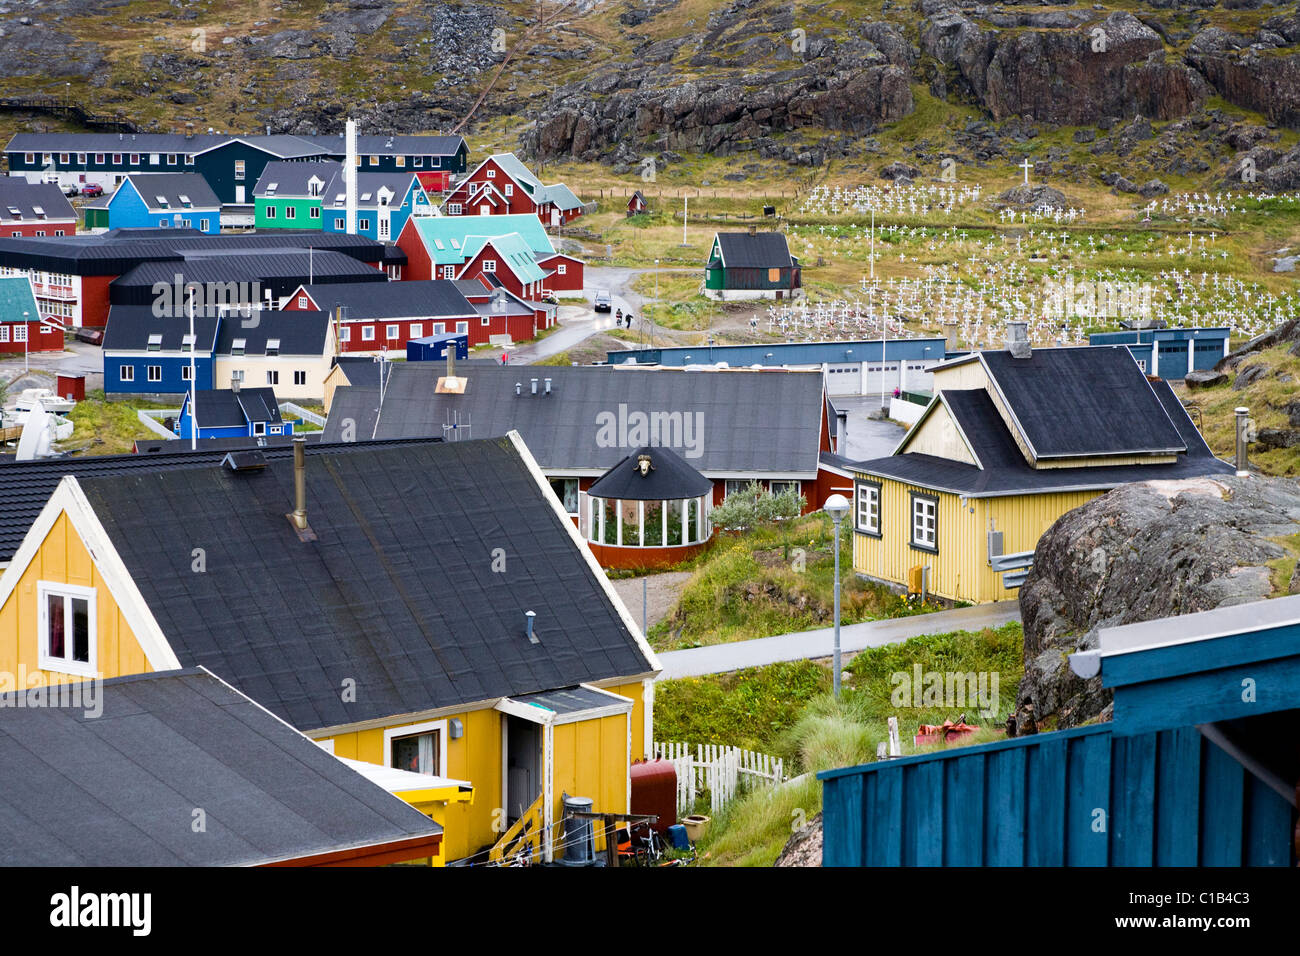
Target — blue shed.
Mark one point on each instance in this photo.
(1169, 353)
(1199, 766)
(434, 347)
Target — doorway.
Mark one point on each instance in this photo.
(523, 765)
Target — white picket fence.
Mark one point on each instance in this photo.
(717, 769)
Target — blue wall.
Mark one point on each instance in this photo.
(172, 370)
(1083, 797)
(398, 213)
(126, 210)
(1207, 346)
(787, 353)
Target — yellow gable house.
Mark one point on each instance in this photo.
(1011, 441)
(423, 610)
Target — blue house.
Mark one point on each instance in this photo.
(1169, 353)
(149, 354)
(234, 413)
(1197, 768)
(159, 201)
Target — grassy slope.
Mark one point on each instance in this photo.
(786, 710)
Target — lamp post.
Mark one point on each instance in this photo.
(837, 506)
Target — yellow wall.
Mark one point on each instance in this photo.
(255, 368)
(937, 435)
(960, 571)
(636, 692)
(63, 558)
(590, 760)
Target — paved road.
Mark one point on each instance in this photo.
(807, 645)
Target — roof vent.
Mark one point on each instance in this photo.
(1018, 339)
(529, 617)
(243, 461)
(298, 517)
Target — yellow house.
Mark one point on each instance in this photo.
(1011, 441)
(421, 606)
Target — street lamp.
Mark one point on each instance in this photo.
(837, 506)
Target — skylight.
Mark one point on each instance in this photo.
(272, 346)
(237, 346)
(162, 201)
(155, 341)
(184, 198)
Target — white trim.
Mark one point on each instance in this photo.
(529, 712)
(548, 790)
(412, 730)
(624, 614)
(1217, 622)
(68, 498)
(648, 702)
(65, 665)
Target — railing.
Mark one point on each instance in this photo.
(523, 839)
(717, 769)
(302, 413)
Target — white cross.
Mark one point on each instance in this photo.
(1026, 166)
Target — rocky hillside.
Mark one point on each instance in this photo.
(1140, 552)
(615, 81)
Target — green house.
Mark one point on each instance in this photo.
(751, 265)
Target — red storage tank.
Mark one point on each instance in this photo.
(72, 386)
(654, 790)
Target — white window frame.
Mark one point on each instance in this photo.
(153, 373)
(367, 333)
(126, 373)
(272, 376)
(438, 727)
(299, 377)
(920, 506)
(560, 268)
(417, 330)
(392, 331)
(867, 493)
(45, 589)
(489, 265)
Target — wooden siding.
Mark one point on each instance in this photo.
(960, 571)
(937, 435)
(1083, 797)
(63, 558)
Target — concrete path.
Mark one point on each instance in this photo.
(807, 645)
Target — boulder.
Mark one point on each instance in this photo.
(1205, 378)
(1140, 552)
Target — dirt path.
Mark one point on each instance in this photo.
(662, 591)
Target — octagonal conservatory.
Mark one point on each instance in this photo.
(650, 510)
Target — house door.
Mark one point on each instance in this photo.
(523, 753)
(555, 218)
(239, 194)
(485, 210)
(383, 225)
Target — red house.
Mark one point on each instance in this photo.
(34, 210)
(501, 312)
(502, 185)
(441, 247)
(21, 326)
(375, 316)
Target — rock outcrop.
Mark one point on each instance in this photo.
(1140, 552)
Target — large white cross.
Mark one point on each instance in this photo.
(1026, 166)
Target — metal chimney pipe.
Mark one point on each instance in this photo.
(534, 381)
(518, 389)
(1243, 467)
(300, 482)
(529, 616)
(451, 359)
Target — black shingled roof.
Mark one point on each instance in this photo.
(16, 192)
(1092, 400)
(227, 408)
(416, 298)
(749, 422)
(25, 486)
(119, 788)
(762, 250)
(300, 333)
(668, 479)
(1005, 470)
(398, 592)
(129, 328)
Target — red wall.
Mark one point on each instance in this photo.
(571, 281)
(520, 202)
(474, 268)
(37, 341)
(418, 263)
(29, 229)
(94, 300)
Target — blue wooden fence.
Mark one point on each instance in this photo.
(1083, 797)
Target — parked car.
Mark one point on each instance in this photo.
(93, 336)
(71, 191)
(91, 190)
(603, 302)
